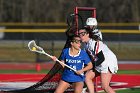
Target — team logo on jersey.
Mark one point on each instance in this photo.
(73, 61)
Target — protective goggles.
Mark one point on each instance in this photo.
(76, 41)
(82, 33)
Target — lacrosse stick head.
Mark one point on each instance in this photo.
(33, 47)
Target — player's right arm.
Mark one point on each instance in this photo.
(86, 68)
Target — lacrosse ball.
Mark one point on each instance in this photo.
(33, 48)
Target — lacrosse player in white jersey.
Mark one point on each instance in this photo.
(91, 23)
(103, 59)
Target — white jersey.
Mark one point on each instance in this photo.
(98, 33)
(110, 61)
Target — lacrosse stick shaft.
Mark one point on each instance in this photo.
(60, 62)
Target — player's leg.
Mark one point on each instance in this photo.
(105, 80)
(78, 87)
(84, 88)
(62, 87)
(89, 81)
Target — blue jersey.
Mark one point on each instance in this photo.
(77, 62)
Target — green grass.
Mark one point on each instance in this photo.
(125, 50)
(128, 72)
(11, 51)
(46, 71)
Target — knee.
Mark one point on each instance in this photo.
(89, 78)
(104, 87)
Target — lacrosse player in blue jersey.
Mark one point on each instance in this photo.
(77, 59)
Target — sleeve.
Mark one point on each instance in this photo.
(62, 57)
(99, 58)
(101, 46)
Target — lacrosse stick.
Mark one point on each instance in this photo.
(33, 47)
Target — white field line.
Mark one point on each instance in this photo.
(15, 85)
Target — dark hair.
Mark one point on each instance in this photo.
(71, 31)
(70, 39)
(87, 28)
(90, 32)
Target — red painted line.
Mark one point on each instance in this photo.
(118, 81)
(20, 77)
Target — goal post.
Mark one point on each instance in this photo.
(82, 13)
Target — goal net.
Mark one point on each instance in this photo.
(82, 13)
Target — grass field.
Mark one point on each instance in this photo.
(46, 71)
(17, 51)
(120, 72)
(129, 72)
